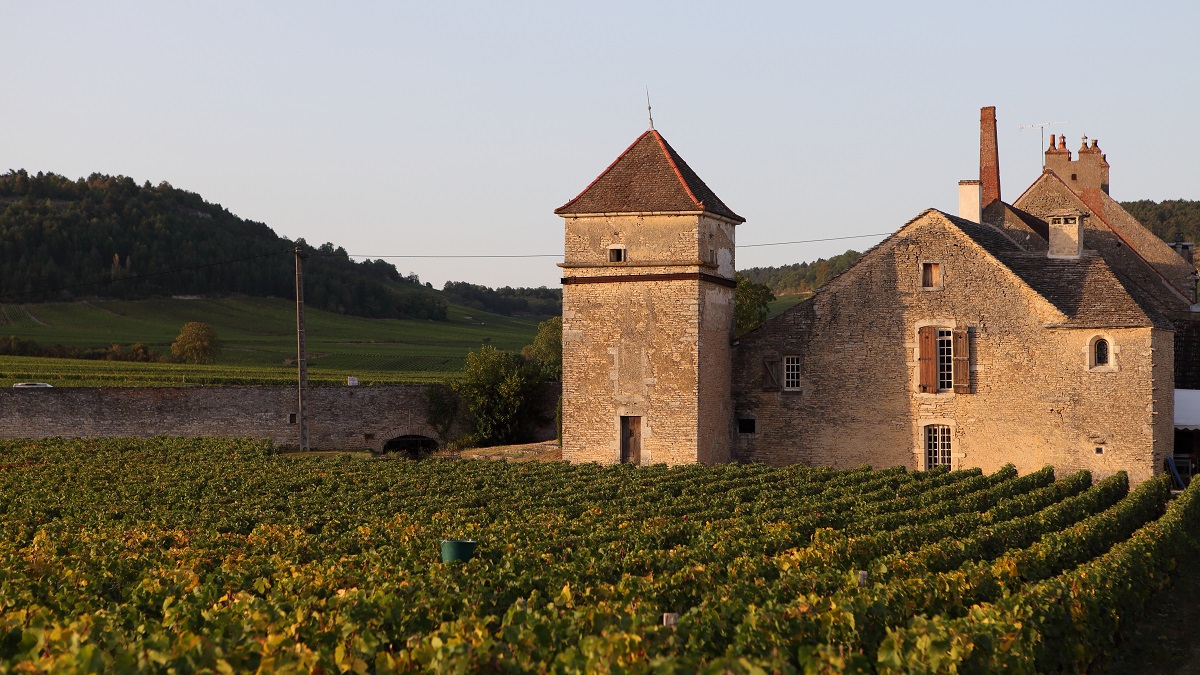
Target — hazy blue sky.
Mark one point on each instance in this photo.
(430, 128)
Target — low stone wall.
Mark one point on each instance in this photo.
(339, 418)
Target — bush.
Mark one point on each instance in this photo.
(496, 387)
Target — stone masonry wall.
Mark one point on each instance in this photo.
(340, 418)
(651, 348)
(1034, 401)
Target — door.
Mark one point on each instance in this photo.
(631, 440)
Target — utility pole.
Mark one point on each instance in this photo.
(301, 355)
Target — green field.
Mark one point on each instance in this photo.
(784, 302)
(173, 555)
(259, 335)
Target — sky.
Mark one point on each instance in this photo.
(456, 128)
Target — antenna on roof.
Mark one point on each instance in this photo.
(648, 110)
(1042, 126)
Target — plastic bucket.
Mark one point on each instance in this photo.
(454, 550)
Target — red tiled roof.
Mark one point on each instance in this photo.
(648, 177)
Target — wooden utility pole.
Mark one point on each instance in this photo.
(301, 355)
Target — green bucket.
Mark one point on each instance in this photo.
(454, 550)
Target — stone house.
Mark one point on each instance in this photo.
(1039, 332)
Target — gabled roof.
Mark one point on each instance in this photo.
(649, 177)
(1141, 259)
(1086, 290)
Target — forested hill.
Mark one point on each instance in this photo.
(107, 236)
(801, 277)
(1171, 219)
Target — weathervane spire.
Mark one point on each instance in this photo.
(649, 112)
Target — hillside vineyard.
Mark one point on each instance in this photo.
(180, 555)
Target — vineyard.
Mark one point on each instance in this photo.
(224, 556)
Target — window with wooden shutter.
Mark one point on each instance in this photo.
(927, 359)
(771, 373)
(962, 362)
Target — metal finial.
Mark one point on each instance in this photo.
(649, 112)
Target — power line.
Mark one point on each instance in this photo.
(14, 297)
(559, 255)
(813, 241)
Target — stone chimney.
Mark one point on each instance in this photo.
(1090, 171)
(989, 156)
(970, 205)
(1066, 236)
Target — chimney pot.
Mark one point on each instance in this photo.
(1053, 145)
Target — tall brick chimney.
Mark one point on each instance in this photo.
(989, 156)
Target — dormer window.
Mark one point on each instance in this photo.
(616, 254)
(931, 276)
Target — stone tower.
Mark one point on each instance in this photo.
(648, 281)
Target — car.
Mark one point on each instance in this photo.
(22, 385)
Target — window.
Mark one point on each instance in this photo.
(291, 418)
(616, 254)
(791, 373)
(943, 361)
(931, 276)
(937, 445)
(1064, 220)
(1102, 354)
(746, 425)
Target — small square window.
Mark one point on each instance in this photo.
(791, 373)
(931, 275)
(746, 426)
(616, 254)
(291, 418)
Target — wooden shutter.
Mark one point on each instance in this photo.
(962, 362)
(927, 360)
(771, 373)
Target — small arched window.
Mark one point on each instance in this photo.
(1100, 352)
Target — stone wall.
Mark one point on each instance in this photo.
(339, 418)
(1033, 399)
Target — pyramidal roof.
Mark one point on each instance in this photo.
(648, 177)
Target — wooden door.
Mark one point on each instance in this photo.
(631, 440)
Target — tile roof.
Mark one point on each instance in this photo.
(1085, 289)
(648, 177)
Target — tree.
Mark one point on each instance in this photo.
(496, 387)
(197, 342)
(750, 302)
(546, 349)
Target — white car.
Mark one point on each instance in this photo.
(22, 385)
